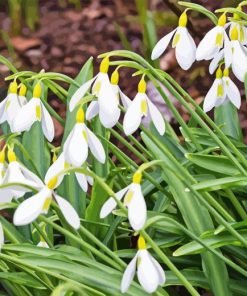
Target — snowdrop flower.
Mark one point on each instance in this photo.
(22, 94)
(239, 55)
(133, 200)
(2, 165)
(213, 41)
(17, 173)
(107, 102)
(242, 30)
(93, 108)
(185, 47)
(1, 236)
(34, 111)
(39, 204)
(149, 272)
(59, 165)
(140, 107)
(10, 106)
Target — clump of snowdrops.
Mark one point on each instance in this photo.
(83, 218)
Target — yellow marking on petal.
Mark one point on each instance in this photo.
(2, 156)
(84, 133)
(13, 87)
(66, 165)
(241, 34)
(23, 90)
(142, 86)
(2, 173)
(11, 155)
(80, 117)
(234, 33)
(220, 90)
(219, 73)
(226, 72)
(104, 65)
(183, 19)
(37, 91)
(96, 87)
(115, 77)
(176, 40)
(38, 112)
(52, 183)
(137, 177)
(141, 243)
(144, 107)
(128, 197)
(139, 259)
(47, 204)
(222, 20)
(219, 39)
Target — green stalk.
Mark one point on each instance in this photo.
(241, 211)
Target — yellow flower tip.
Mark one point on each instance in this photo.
(80, 117)
(226, 72)
(52, 183)
(219, 73)
(234, 33)
(11, 156)
(38, 112)
(222, 20)
(141, 243)
(183, 19)
(37, 91)
(13, 87)
(2, 156)
(104, 65)
(137, 177)
(142, 86)
(23, 90)
(115, 77)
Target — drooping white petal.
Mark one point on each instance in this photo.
(156, 117)
(133, 115)
(227, 51)
(1, 235)
(111, 204)
(2, 110)
(79, 94)
(137, 209)
(146, 272)
(54, 169)
(215, 61)
(68, 211)
(232, 92)
(12, 108)
(128, 275)
(161, 273)
(92, 110)
(207, 47)
(47, 124)
(35, 180)
(2, 172)
(211, 96)
(95, 146)
(76, 146)
(31, 208)
(22, 100)
(124, 99)
(185, 49)
(161, 46)
(82, 180)
(26, 116)
(239, 61)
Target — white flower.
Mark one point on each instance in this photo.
(133, 199)
(107, 102)
(39, 204)
(10, 106)
(140, 107)
(79, 141)
(59, 165)
(185, 47)
(42, 244)
(231, 90)
(2, 166)
(213, 41)
(149, 272)
(17, 173)
(22, 94)
(34, 111)
(1, 236)
(93, 108)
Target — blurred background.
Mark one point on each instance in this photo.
(60, 35)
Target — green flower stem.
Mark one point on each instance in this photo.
(241, 211)
(53, 113)
(42, 233)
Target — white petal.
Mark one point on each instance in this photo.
(2, 110)
(156, 117)
(12, 109)
(76, 146)
(227, 51)
(133, 115)
(95, 146)
(232, 92)
(79, 94)
(68, 211)
(47, 124)
(185, 49)
(207, 47)
(161, 46)
(22, 100)
(82, 180)
(126, 101)
(54, 169)
(137, 209)
(1, 235)
(211, 96)
(146, 272)
(215, 61)
(31, 208)
(92, 110)
(161, 273)
(111, 204)
(26, 116)
(35, 180)
(128, 275)
(239, 61)
(42, 244)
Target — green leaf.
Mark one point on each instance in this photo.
(21, 278)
